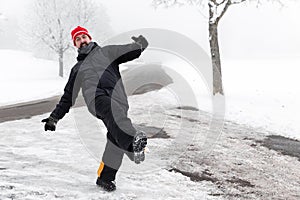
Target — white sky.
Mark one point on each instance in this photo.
(13, 6)
(245, 31)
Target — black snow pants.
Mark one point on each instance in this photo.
(120, 134)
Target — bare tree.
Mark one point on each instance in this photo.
(52, 21)
(216, 10)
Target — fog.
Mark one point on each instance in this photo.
(245, 31)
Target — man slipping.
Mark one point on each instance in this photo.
(97, 74)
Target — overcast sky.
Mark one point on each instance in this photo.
(245, 31)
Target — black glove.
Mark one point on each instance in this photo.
(50, 123)
(140, 41)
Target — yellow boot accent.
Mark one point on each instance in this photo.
(100, 168)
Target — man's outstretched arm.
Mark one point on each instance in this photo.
(66, 102)
(127, 52)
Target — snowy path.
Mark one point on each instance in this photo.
(38, 165)
(63, 165)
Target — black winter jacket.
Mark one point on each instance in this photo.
(97, 73)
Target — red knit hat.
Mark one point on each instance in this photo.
(78, 31)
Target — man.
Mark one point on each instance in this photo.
(97, 74)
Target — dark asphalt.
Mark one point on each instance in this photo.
(283, 145)
(32, 108)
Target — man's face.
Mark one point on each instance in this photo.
(82, 40)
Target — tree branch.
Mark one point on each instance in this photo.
(237, 2)
(220, 3)
(228, 3)
(66, 48)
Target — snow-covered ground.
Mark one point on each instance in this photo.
(62, 165)
(24, 78)
(259, 93)
(41, 165)
(37, 165)
(264, 93)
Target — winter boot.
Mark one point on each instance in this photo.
(138, 145)
(108, 186)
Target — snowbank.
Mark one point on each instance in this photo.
(24, 78)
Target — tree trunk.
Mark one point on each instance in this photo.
(215, 58)
(61, 63)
